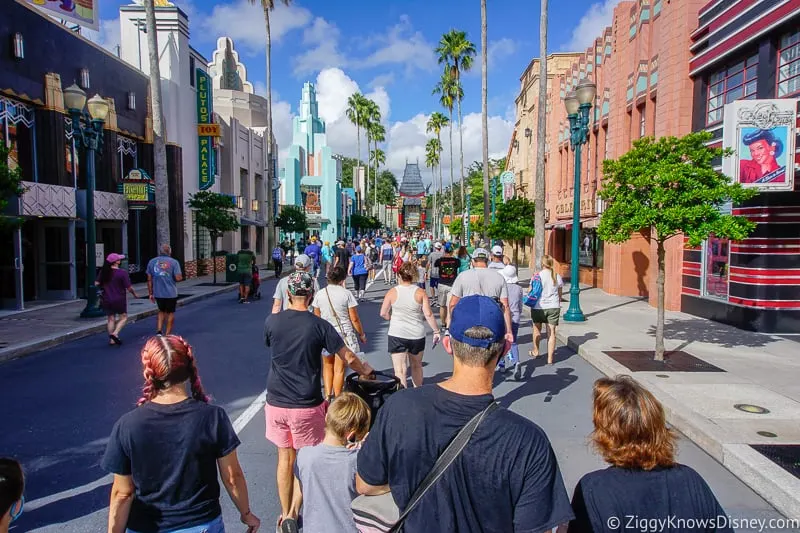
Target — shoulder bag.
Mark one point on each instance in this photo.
(333, 312)
(380, 514)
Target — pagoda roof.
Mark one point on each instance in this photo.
(411, 185)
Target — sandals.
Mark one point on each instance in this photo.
(116, 340)
(533, 355)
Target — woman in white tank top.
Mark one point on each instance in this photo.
(407, 307)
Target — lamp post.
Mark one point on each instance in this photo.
(578, 104)
(467, 228)
(91, 137)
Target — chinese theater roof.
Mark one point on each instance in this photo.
(411, 185)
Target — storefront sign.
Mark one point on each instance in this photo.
(762, 136)
(507, 182)
(209, 130)
(81, 12)
(564, 210)
(139, 189)
(204, 117)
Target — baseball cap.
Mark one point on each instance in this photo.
(114, 257)
(480, 253)
(477, 310)
(313, 238)
(438, 246)
(358, 248)
(339, 243)
(497, 250)
(300, 284)
(448, 247)
(302, 261)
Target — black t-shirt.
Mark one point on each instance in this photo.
(659, 494)
(171, 451)
(506, 479)
(297, 339)
(448, 269)
(344, 257)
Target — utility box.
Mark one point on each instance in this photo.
(231, 268)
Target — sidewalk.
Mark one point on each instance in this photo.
(757, 369)
(30, 331)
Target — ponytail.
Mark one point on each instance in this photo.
(547, 262)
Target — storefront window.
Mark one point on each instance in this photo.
(590, 248)
(716, 258)
(789, 65)
(737, 82)
(17, 123)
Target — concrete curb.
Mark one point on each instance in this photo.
(20, 350)
(771, 482)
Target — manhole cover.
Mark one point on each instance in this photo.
(787, 456)
(767, 434)
(643, 361)
(750, 408)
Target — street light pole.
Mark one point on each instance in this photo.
(468, 229)
(91, 137)
(578, 104)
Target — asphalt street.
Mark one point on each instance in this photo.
(59, 405)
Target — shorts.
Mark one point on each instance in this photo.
(295, 428)
(215, 526)
(245, 279)
(412, 346)
(421, 285)
(433, 282)
(444, 294)
(167, 305)
(546, 316)
(350, 339)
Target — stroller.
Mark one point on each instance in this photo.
(255, 285)
(374, 392)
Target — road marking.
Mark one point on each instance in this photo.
(69, 493)
(243, 419)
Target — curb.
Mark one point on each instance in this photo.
(779, 488)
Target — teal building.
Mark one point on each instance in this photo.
(312, 173)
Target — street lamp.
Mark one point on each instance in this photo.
(91, 137)
(578, 103)
(467, 228)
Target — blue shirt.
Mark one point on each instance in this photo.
(358, 264)
(313, 251)
(164, 271)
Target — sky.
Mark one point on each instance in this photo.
(386, 51)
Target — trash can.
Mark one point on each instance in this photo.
(231, 268)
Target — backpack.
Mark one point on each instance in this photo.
(277, 253)
(373, 254)
(398, 262)
(532, 298)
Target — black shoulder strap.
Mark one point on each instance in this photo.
(447, 457)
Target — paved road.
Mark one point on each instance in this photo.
(59, 407)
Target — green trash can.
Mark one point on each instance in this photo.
(231, 268)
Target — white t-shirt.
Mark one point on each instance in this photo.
(342, 300)
(549, 298)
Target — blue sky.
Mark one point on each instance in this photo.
(384, 49)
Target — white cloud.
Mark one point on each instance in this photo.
(382, 80)
(402, 46)
(244, 23)
(500, 49)
(260, 88)
(593, 22)
(107, 37)
(323, 39)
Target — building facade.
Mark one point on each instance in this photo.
(411, 199)
(744, 50)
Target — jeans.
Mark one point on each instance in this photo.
(513, 353)
(360, 282)
(278, 266)
(215, 526)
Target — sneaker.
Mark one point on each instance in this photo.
(517, 371)
(158, 332)
(241, 300)
(500, 367)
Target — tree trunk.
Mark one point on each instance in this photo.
(516, 252)
(439, 137)
(159, 135)
(452, 197)
(366, 171)
(541, 125)
(484, 120)
(661, 253)
(214, 258)
(271, 234)
(461, 149)
(375, 203)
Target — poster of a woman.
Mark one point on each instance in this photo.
(767, 160)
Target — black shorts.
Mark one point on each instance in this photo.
(167, 305)
(245, 279)
(412, 346)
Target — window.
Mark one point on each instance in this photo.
(789, 65)
(642, 123)
(17, 123)
(605, 144)
(716, 258)
(128, 155)
(737, 82)
(590, 251)
(192, 68)
(72, 158)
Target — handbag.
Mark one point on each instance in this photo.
(380, 514)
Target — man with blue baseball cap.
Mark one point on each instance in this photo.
(505, 479)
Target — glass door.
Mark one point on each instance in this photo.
(56, 264)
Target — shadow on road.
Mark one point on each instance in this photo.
(550, 384)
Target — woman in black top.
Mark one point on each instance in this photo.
(12, 483)
(644, 485)
(165, 453)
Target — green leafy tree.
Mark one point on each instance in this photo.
(449, 91)
(514, 222)
(214, 213)
(292, 219)
(669, 185)
(10, 186)
(456, 227)
(364, 222)
(387, 188)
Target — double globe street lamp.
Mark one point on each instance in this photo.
(578, 103)
(90, 136)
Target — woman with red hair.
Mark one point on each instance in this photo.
(165, 453)
(644, 484)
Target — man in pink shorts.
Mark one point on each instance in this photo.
(295, 410)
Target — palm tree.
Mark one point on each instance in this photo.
(378, 158)
(448, 91)
(267, 6)
(484, 117)
(436, 122)
(355, 113)
(456, 52)
(433, 151)
(541, 125)
(372, 116)
(159, 140)
(378, 135)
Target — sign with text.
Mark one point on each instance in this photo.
(209, 130)
(139, 189)
(84, 13)
(204, 118)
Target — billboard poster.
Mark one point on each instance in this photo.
(205, 145)
(84, 13)
(507, 181)
(762, 136)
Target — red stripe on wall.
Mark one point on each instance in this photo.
(766, 304)
(791, 209)
(765, 271)
(765, 281)
(764, 251)
(726, 17)
(689, 290)
(766, 241)
(711, 54)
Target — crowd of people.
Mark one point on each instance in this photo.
(168, 455)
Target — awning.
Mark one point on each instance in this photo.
(244, 221)
(585, 223)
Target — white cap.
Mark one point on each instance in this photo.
(497, 250)
(302, 261)
(438, 245)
